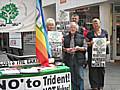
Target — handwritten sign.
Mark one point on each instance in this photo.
(99, 52)
(55, 41)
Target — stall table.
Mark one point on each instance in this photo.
(57, 78)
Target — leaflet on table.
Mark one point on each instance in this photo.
(14, 71)
(70, 49)
(9, 71)
(29, 70)
(35, 69)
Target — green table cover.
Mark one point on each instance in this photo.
(57, 69)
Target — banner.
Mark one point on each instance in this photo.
(59, 81)
(17, 15)
(99, 52)
(55, 41)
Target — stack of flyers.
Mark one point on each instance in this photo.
(30, 70)
(9, 71)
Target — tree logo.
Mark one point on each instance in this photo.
(9, 12)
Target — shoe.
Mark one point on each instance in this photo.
(101, 88)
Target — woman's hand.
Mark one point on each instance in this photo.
(90, 43)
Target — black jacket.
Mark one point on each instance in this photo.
(79, 56)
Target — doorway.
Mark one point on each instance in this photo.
(116, 32)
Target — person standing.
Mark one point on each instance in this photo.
(96, 74)
(50, 26)
(83, 31)
(82, 28)
(74, 57)
(75, 18)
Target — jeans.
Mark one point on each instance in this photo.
(81, 73)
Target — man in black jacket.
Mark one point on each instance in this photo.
(74, 57)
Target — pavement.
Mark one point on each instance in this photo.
(112, 77)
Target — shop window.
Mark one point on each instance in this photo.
(117, 9)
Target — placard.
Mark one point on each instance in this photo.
(99, 52)
(55, 42)
(15, 40)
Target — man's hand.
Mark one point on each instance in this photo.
(77, 48)
(69, 50)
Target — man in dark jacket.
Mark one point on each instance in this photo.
(74, 56)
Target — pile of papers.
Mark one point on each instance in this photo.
(9, 71)
(15, 71)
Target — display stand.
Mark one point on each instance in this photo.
(50, 78)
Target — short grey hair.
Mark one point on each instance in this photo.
(73, 23)
(50, 20)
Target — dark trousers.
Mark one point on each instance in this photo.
(75, 77)
(96, 77)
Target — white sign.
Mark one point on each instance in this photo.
(15, 40)
(12, 84)
(55, 41)
(99, 52)
(59, 81)
(63, 16)
(33, 83)
(17, 15)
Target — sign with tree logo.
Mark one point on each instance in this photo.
(17, 15)
(9, 12)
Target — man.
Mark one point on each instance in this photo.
(74, 57)
(75, 18)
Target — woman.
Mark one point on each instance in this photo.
(96, 74)
(50, 25)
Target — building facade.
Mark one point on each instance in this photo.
(108, 11)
